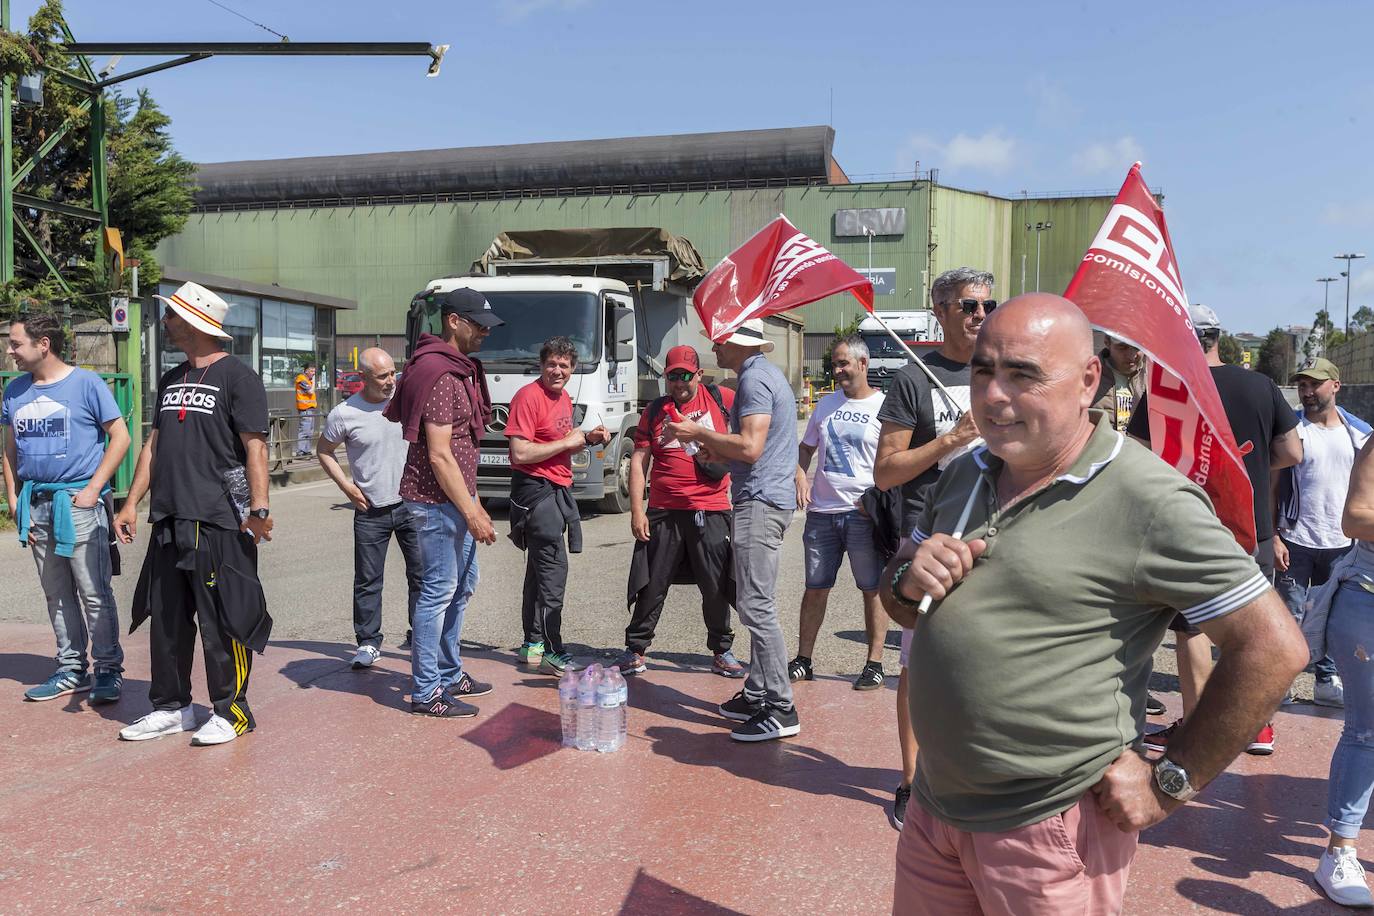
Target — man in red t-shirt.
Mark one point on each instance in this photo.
(689, 513)
(542, 440)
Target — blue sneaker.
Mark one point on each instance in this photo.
(61, 684)
(107, 687)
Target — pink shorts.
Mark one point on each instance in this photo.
(1075, 862)
(906, 645)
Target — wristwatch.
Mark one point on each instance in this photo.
(1172, 780)
(260, 513)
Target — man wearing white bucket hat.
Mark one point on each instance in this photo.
(206, 465)
(761, 447)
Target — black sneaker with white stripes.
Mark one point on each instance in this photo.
(871, 678)
(768, 723)
(740, 708)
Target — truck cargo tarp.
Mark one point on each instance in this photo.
(685, 264)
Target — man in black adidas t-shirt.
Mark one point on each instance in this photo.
(925, 428)
(206, 464)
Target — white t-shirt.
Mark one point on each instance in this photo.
(376, 449)
(1323, 479)
(844, 433)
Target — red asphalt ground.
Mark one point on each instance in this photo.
(342, 799)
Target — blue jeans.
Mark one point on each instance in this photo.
(1350, 640)
(448, 571)
(1308, 567)
(828, 536)
(81, 602)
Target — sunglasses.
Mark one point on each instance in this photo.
(969, 306)
(681, 375)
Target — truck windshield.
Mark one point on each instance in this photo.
(882, 346)
(533, 316)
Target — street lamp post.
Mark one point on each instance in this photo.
(1038, 228)
(1326, 310)
(1349, 260)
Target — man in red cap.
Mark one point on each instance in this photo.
(689, 514)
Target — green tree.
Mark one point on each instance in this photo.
(149, 186)
(841, 331)
(1276, 356)
(1362, 321)
(1230, 350)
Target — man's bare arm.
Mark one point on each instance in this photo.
(746, 445)
(523, 451)
(897, 463)
(324, 450)
(1262, 650)
(1286, 450)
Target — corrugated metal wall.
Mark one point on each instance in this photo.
(380, 256)
(1076, 221)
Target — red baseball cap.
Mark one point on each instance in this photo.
(683, 357)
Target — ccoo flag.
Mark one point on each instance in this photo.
(780, 268)
(1129, 287)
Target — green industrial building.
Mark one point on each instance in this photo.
(374, 229)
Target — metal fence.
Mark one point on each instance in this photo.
(1355, 358)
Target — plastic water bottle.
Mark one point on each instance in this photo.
(586, 708)
(622, 694)
(567, 706)
(607, 712)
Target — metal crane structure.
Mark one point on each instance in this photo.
(87, 81)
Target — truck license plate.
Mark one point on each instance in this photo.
(499, 459)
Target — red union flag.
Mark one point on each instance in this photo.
(1128, 285)
(780, 268)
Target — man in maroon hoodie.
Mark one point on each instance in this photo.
(443, 407)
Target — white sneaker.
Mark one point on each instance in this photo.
(1341, 875)
(366, 656)
(1329, 693)
(215, 731)
(160, 722)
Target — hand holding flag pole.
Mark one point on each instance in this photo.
(958, 535)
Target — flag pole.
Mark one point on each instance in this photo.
(912, 353)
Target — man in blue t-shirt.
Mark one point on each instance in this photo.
(761, 447)
(57, 467)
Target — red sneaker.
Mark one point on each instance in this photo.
(1263, 745)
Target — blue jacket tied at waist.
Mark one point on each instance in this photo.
(63, 527)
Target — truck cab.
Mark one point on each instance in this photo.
(918, 330)
(598, 315)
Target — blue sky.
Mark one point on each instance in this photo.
(1255, 118)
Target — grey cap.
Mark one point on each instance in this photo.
(1203, 318)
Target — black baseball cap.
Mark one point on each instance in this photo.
(469, 304)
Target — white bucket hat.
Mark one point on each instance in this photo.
(200, 308)
(750, 334)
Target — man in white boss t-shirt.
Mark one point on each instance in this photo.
(843, 435)
(376, 456)
(1311, 499)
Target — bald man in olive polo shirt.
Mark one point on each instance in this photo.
(1028, 675)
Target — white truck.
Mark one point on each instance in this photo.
(624, 311)
(919, 330)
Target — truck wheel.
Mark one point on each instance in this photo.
(617, 498)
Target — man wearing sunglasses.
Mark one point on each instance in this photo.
(688, 516)
(923, 430)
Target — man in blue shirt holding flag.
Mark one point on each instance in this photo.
(66, 436)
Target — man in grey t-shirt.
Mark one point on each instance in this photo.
(376, 455)
(762, 450)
